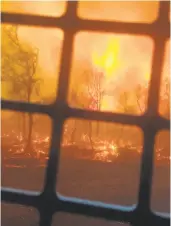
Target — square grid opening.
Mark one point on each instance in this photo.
(48, 202)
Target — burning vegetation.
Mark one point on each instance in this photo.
(113, 75)
(91, 140)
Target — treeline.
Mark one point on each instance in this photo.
(21, 81)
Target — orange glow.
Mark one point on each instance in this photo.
(147, 77)
(107, 103)
(123, 60)
(108, 61)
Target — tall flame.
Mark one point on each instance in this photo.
(108, 62)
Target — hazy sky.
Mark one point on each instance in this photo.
(47, 40)
(136, 52)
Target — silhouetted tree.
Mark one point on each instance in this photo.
(19, 64)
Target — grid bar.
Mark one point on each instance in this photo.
(84, 207)
(152, 109)
(96, 209)
(157, 66)
(158, 58)
(157, 122)
(21, 197)
(48, 203)
(58, 120)
(26, 107)
(146, 170)
(141, 121)
(80, 24)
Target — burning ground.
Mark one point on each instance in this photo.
(99, 161)
(82, 139)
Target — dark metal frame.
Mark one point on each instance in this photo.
(48, 202)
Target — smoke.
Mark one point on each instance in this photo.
(49, 40)
(135, 51)
(127, 11)
(134, 57)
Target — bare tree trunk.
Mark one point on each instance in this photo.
(29, 147)
(73, 132)
(138, 102)
(97, 128)
(90, 134)
(99, 108)
(24, 125)
(120, 135)
(30, 130)
(122, 127)
(19, 121)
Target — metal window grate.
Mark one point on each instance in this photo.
(48, 202)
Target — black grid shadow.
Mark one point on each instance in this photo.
(48, 202)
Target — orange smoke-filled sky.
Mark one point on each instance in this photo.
(135, 53)
(47, 40)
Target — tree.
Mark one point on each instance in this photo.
(77, 96)
(19, 67)
(164, 105)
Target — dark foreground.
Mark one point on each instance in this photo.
(108, 182)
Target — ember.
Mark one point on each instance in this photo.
(114, 77)
(99, 150)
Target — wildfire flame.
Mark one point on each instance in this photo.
(108, 62)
